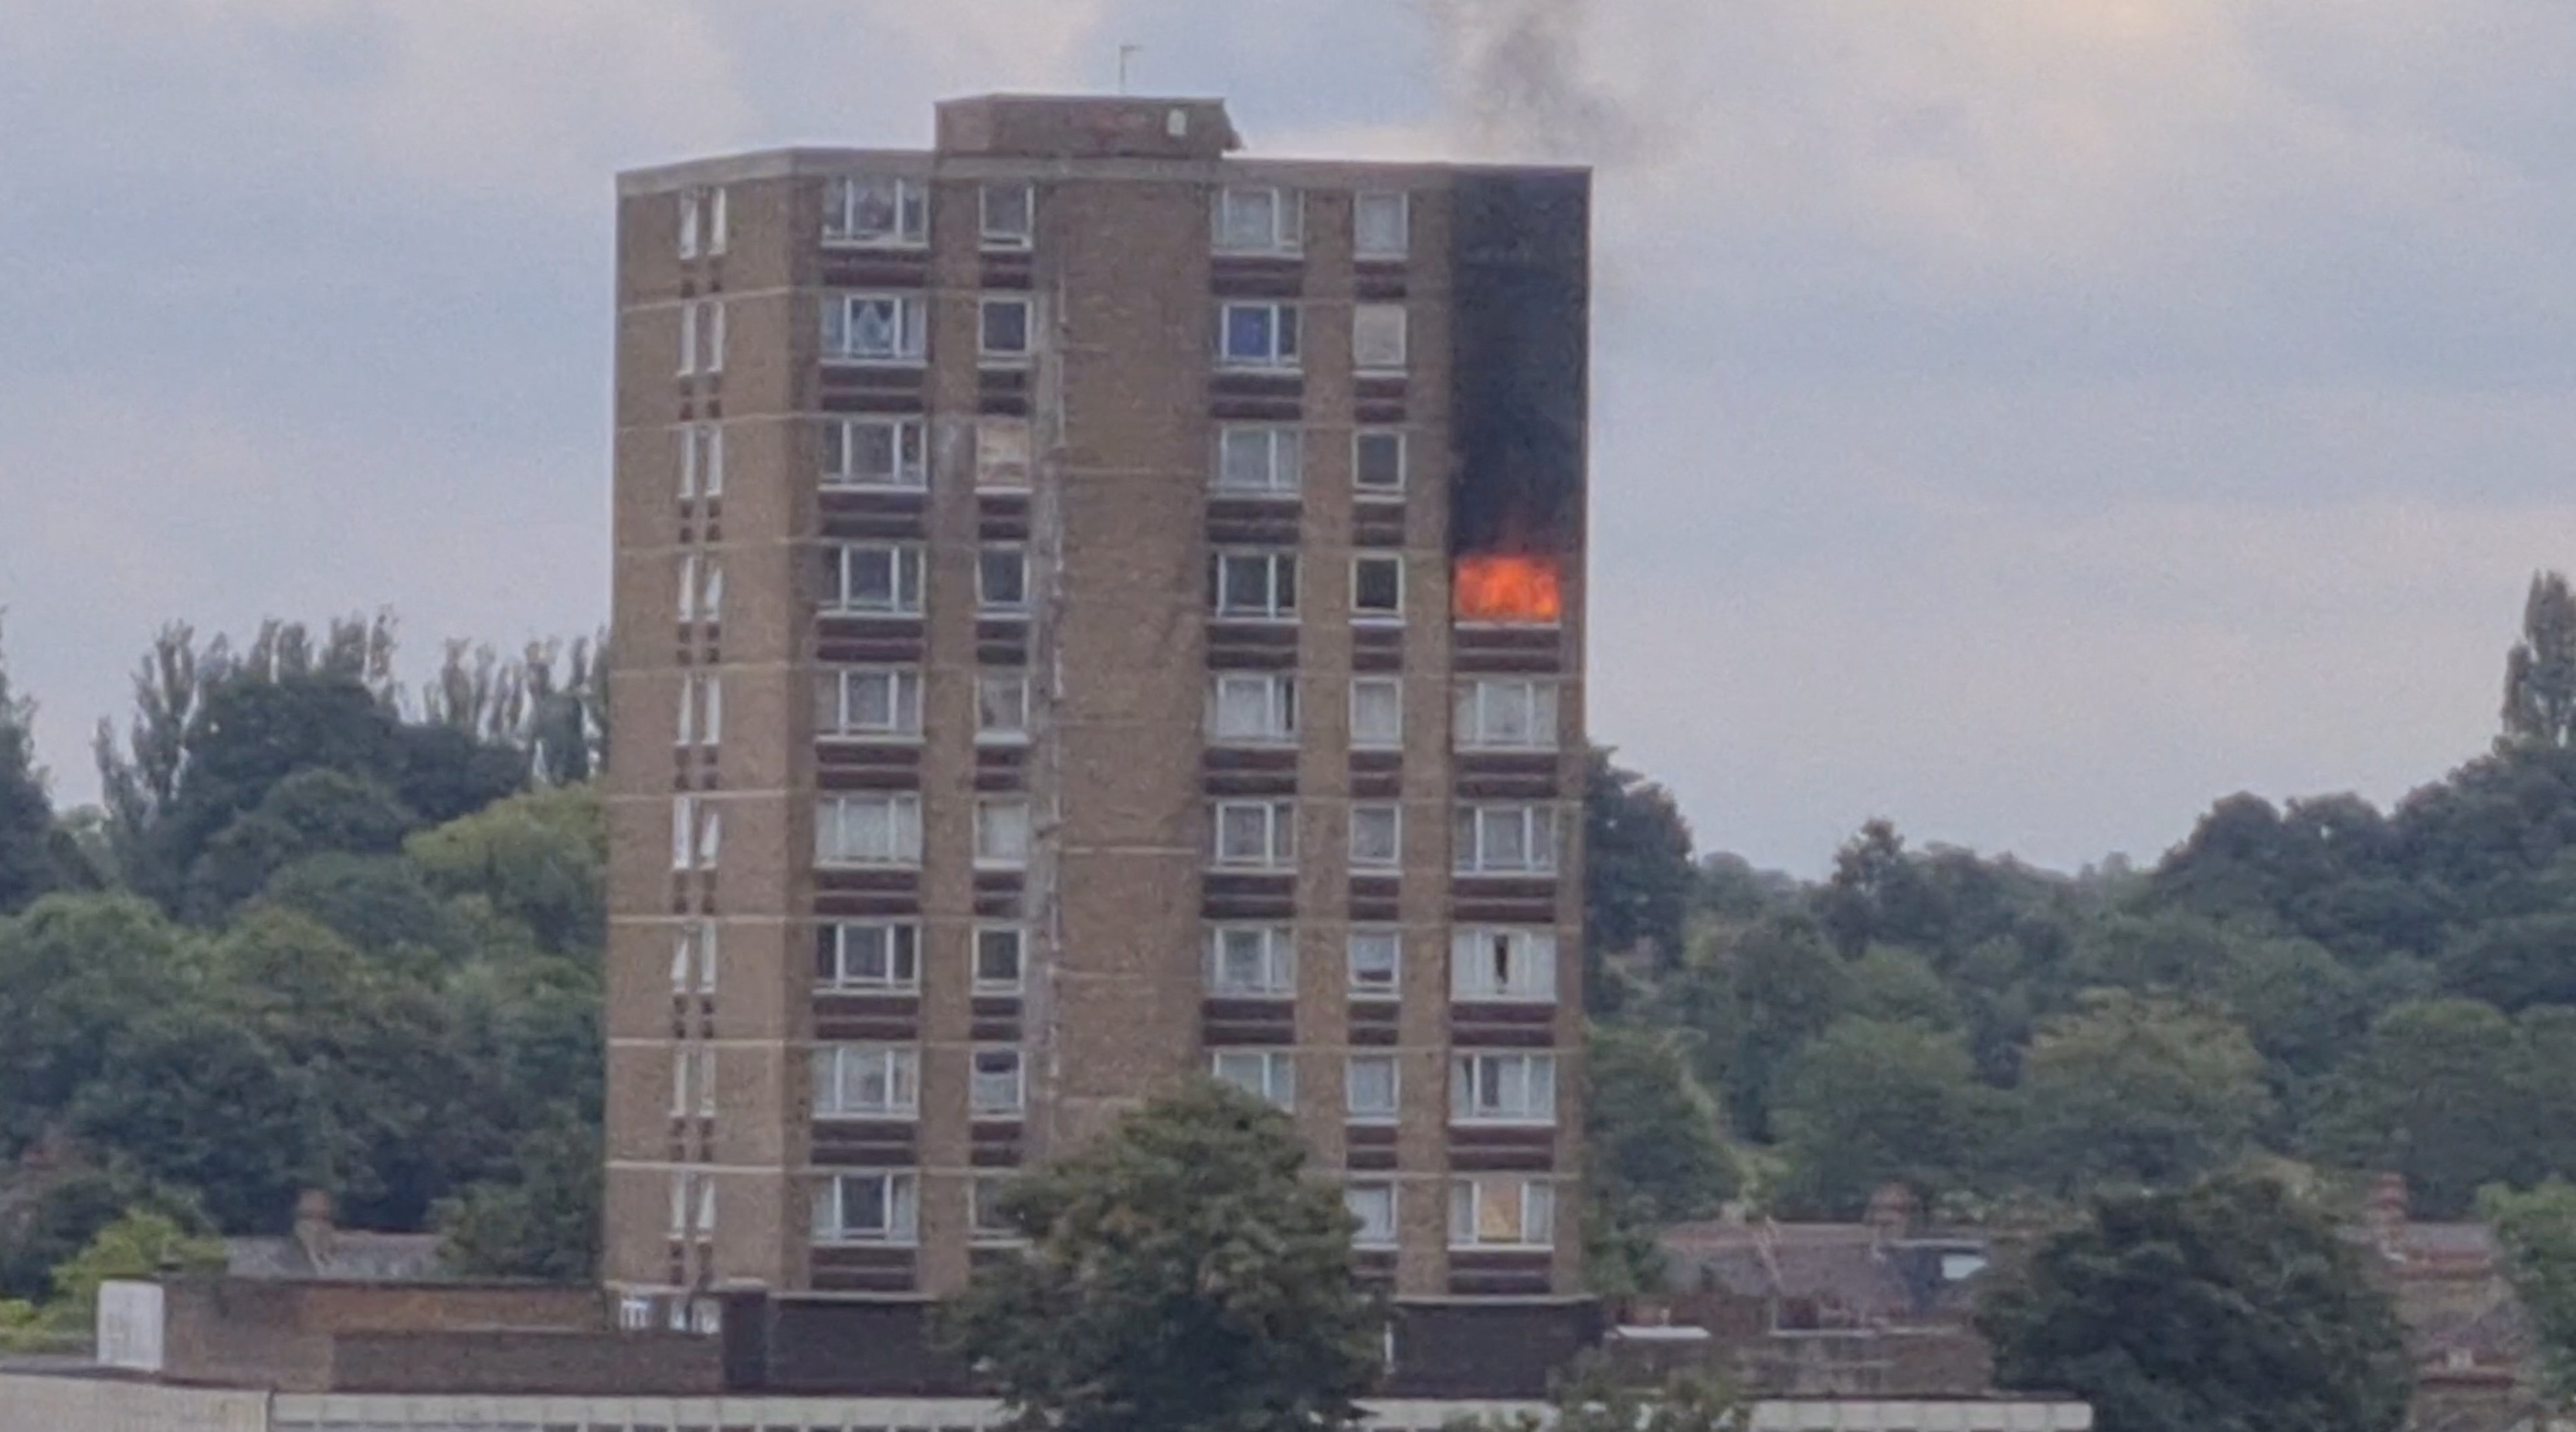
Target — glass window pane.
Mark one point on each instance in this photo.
(1248, 332)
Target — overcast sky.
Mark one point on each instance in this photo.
(2026, 419)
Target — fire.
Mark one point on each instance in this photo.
(1506, 587)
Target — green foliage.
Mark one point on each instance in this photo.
(1653, 1133)
(1637, 870)
(74, 971)
(2229, 1307)
(310, 812)
(1593, 1396)
(539, 858)
(2540, 671)
(2537, 1228)
(540, 1221)
(2455, 1096)
(378, 903)
(30, 854)
(1183, 1272)
(195, 1099)
(1870, 1103)
(2137, 1091)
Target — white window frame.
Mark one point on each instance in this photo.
(1392, 986)
(1283, 349)
(1278, 824)
(1272, 1073)
(701, 587)
(906, 569)
(1478, 850)
(693, 1081)
(902, 818)
(1272, 694)
(993, 557)
(839, 1070)
(1274, 459)
(702, 459)
(1361, 202)
(1392, 815)
(1371, 739)
(1004, 831)
(1526, 956)
(1377, 616)
(1285, 233)
(1490, 702)
(695, 951)
(1017, 938)
(1251, 961)
(911, 320)
(1279, 598)
(997, 1083)
(1373, 1233)
(1516, 1088)
(986, 353)
(701, 715)
(911, 201)
(991, 236)
(697, 833)
(841, 945)
(702, 336)
(1379, 338)
(1536, 1205)
(898, 1190)
(693, 1204)
(836, 703)
(1001, 708)
(905, 440)
(996, 469)
(1401, 441)
(1352, 1109)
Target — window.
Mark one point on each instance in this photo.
(1487, 962)
(998, 957)
(1375, 958)
(866, 1208)
(1001, 707)
(1377, 461)
(1003, 332)
(874, 577)
(1002, 832)
(1002, 453)
(702, 222)
(1008, 214)
(873, 452)
(873, 328)
(1505, 1212)
(1372, 1206)
(697, 833)
(693, 958)
(693, 1082)
(1377, 337)
(868, 702)
(1267, 1074)
(1255, 708)
(1506, 714)
(1379, 226)
(1369, 1084)
(1259, 459)
(1252, 960)
(702, 336)
(1002, 580)
(986, 1220)
(1377, 835)
(1257, 335)
(701, 460)
(693, 1204)
(876, 209)
(701, 588)
(1259, 221)
(1253, 584)
(866, 1081)
(1377, 712)
(995, 1088)
(1377, 587)
(868, 829)
(701, 721)
(1502, 1089)
(1505, 840)
(1254, 835)
(867, 954)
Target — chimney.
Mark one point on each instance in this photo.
(2385, 1216)
(313, 1230)
(1891, 1212)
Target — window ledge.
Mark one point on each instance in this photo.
(853, 360)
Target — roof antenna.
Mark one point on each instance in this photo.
(1126, 53)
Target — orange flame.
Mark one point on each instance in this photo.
(1506, 587)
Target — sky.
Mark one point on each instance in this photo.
(2027, 420)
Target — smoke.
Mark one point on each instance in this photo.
(1515, 85)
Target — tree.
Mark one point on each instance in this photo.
(145, 1243)
(1870, 1103)
(2540, 671)
(2538, 1230)
(1637, 872)
(1182, 1272)
(1655, 1150)
(192, 1098)
(1779, 986)
(2228, 1307)
(540, 1222)
(2137, 1091)
(2436, 1094)
(30, 851)
(74, 971)
(315, 811)
(539, 858)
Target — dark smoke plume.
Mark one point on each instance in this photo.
(1516, 86)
